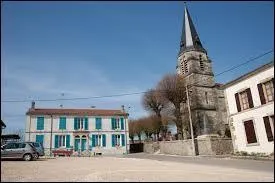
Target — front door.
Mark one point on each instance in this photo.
(76, 144)
(83, 144)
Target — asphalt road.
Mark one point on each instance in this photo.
(258, 165)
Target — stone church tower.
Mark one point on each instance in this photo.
(206, 98)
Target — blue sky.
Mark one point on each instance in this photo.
(85, 49)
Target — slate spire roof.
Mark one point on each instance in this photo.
(189, 38)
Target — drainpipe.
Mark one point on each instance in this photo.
(126, 121)
(30, 129)
(51, 135)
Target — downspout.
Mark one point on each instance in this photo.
(30, 129)
(51, 135)
(126, 122)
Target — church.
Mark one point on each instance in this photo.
(206, 97)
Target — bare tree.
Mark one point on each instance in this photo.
(131, 130)
(152, 101)
(172, 90)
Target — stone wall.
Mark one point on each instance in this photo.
(151, 147)
(177, 147)
(204, 145)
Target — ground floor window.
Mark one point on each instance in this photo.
(61, 140)
(250, 132)
(98, 140)
(118, 140)
(269, 127)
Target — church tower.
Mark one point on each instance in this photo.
(206, 98)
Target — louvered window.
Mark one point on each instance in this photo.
(250, 132)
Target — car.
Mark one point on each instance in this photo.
(39, 148)
(19, 150)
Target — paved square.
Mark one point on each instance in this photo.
(122, 169)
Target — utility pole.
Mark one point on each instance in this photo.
(190, 120)
(51, 135)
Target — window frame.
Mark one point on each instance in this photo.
(265, 91)
(62, 140)
(255, 131)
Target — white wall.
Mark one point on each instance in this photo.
(106, 129)
(256, 114)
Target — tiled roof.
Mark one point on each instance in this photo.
(76, 112)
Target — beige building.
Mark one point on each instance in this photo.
(250, 108)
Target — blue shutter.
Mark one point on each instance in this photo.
(40, 123)
(98, 123)
(86, 123)
(75, 124)
(104, 140)
(62, 123)
(113, 140)
(113, 123)
(40, 139)
(123, 139)
(56, 141)
(68, 141)
(122, 123)
(93, 140)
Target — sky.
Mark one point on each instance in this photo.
(86, 49)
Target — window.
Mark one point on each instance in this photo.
(81, 123)
(12, 146)
(99, 140)
(118, 140)
(269, 127)
(244, 100)
(266, 91)
(206, 97)
(115, 123)
(62, 123)
(61, 140)
(185, 66)
(40, 123)
(250, 132)
(22, 145)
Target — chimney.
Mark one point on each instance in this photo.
(33, 104)
(122, 108)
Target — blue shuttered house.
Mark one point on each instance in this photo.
(79, 130)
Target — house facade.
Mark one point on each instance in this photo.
(250, 107)
(80, 130)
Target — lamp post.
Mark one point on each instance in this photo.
(190, 120)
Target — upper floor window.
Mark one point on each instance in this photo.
(206, 97)
(201, 65)
(244, 100)
(185, 66)
(80, 123)
(117, 123)
(98, 123)
(266, 91)
(40, 123)
(62, 123)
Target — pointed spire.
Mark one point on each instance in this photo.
(189, 38)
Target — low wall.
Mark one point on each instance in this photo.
(150, 147)
(203, 146)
